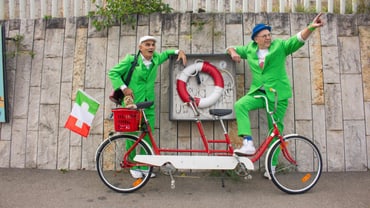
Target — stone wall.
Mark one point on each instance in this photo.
(330, 75)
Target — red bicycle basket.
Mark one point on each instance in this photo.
(126, 120)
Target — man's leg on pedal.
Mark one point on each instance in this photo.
(242, 108)
(138, 171)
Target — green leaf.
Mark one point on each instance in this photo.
(120, 10)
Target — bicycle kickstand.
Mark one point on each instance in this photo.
(223, 178)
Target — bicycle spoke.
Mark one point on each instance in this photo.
(114, 172)
(301, 176)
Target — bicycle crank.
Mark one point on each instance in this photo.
(241, 171)
(168, 169)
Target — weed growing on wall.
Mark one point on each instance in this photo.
(114, 11)
(18, 47)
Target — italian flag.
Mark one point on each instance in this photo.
(82, 115)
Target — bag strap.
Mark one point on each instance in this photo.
(133, 65)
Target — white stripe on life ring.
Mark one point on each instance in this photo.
(205, 67)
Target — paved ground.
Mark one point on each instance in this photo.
(33, 188)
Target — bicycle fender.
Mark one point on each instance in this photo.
(269, 152)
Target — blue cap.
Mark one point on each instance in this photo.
(258, 28)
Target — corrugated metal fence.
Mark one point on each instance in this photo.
(33, 9)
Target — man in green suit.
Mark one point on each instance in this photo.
(266, 59)
(142, 84)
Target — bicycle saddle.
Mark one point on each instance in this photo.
(145, 104)
(220, 112)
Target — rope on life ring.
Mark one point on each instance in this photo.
(192, 70)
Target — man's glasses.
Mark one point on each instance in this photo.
(265, 36)
(149, 44)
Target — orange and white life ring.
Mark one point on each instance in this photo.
(193, 69)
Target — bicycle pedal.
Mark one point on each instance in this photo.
(242, 154)
(248, 177)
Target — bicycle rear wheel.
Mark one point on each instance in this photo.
(299, 177)
(114, 172)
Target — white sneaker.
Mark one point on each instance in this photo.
(139, 173)
(136, 174)
(146, 172)
(266, 175)
(247, 148)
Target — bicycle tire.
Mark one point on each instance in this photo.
(109, 158)
(295, 178)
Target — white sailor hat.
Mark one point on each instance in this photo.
(145, 38)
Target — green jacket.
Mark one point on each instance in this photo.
(273, 74)
(143, 79)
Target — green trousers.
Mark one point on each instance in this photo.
(150, 114)
(249, 103)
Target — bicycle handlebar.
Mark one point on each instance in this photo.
(266, 101)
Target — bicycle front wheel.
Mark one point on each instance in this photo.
(299, 175)
(114, 170)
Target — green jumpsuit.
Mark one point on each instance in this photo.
(142, 81)
(272, 75)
